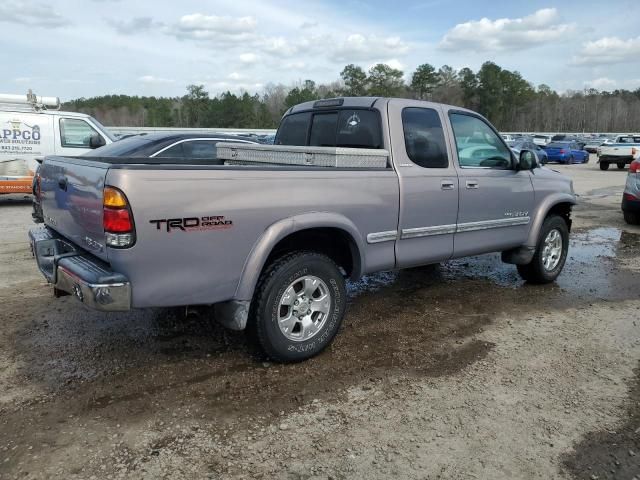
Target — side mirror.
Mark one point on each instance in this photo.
(96, 141)
(528, 160)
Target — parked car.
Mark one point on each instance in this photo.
(631, 195)
(31, 127)
(623, 150)
(352, 186)
(566, 152)
(162, 147)
(541, 140)
(592, 145)
(518, 145)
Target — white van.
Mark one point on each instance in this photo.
(32, 127)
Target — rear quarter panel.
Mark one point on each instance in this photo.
(203, 266)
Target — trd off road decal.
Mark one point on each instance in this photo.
(192, 224)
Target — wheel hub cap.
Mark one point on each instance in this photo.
(304, 308)
(552, 250)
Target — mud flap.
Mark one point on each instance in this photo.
(233, 314)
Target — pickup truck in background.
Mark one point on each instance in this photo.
(352, 186)
(622, 151)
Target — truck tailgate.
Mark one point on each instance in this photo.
(71, 197)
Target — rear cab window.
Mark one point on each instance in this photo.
(347, 128)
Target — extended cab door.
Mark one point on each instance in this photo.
(496, 200)
(428, 183)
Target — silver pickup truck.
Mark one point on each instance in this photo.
(352, 186)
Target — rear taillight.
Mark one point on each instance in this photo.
(562, 150)
(634, 167)
(117, 219)
(631, 198)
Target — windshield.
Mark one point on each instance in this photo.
(103, 129)
(119, 148)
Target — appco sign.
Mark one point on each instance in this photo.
(16, 132)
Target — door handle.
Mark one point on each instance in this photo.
(472, 184)
(446, 185)
(62, 183)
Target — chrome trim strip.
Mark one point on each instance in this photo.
(428, 231)
(378, 237)
(487, 224)
(210, 139)
(461, 228)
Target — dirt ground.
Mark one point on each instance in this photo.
(456, 371)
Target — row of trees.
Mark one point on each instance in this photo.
(504, 96)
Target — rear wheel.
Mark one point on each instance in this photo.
(570, 162)
(631, 218)
(604, 165)
(299, 306)
(551, 252)
(620, 165)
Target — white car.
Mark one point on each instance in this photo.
(32, 127)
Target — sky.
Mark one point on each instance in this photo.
(84, 48)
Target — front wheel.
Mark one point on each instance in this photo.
(551, 252)
(604, 166)
(620, 165)
(299, 306)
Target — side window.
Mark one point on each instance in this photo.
(172, 152)
(201, 149)
(75, 133)
(424, 138)
(478, 145)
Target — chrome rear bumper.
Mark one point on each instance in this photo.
(74, 272)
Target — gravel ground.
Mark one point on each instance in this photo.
(452, 371)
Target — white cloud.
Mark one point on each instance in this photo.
(134, 25)
(608, 50)
(357, 47)
(248, 58)
(236, 76)
(602, 83)
(31, 13)
(150, 79)
(23, 80)
(484, 35)
(214, 28)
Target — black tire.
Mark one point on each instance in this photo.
(535, 272)
(570, 162)
(604, 165)
(631, 218)
(266, 309)
(621, 165)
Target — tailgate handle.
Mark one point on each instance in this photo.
(62, 183)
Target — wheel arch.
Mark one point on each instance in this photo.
(324, 232)
(559, 204)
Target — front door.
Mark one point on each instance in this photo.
(72, 136)
(428, 182)
(496, 200)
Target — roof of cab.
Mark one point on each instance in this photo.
(362, 102)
